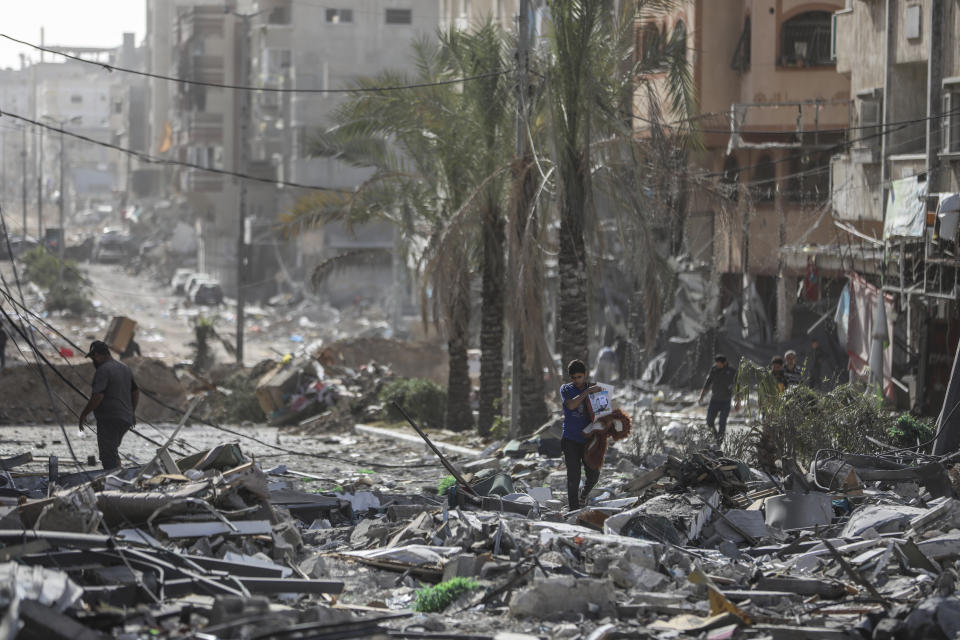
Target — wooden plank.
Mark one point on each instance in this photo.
(15, 461)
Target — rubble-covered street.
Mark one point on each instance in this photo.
(256, 531)
(480, 320)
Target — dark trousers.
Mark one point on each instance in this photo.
(109, 434)
(573, 453)
(721, 409)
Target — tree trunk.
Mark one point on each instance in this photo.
(491, 321)
(533, 408)
(526, 315)
(572, 296)
(459, 415)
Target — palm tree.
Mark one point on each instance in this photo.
(488, 107)
(434, 153)
(592, 73)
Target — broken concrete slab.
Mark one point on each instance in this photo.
(796, 510)
(673, 518)
(562, 596)
(880, 518)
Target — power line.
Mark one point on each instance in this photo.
(237, 87)
(144, 157)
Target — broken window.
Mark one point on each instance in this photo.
(764, 183)
(809, 181)
(741, 56)
(805, 40)
(731, 178)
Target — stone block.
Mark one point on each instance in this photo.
(563, 596)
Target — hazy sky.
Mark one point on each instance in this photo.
(88, 23)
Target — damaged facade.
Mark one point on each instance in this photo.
(807, 134)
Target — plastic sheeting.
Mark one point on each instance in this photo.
(860, 318)
(906, 208)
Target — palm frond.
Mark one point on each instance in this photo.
(357, 258)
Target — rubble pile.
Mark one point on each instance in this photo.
(698, 546)
(26, 401)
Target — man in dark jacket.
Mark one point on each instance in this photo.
(113, 401)
(720, 381)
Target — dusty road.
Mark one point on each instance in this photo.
(165, 320)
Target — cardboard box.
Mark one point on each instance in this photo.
(119, 333)
(274, 384)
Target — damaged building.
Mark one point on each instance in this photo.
(829, 174)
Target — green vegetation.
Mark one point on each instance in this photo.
(910, 431)
(800, 421)
(424, 400)
(445, 484)
(437, 598)
(64, 291)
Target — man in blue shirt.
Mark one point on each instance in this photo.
(574, 395)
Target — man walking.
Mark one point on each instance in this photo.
(720, 382)
(113, 401)
(573, 443)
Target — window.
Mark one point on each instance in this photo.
(118, 107)
(279, 15)
(339, 16)
(805, 40)
(680, 35)
(951, 116)
(730, 179)
(741, 56)
(399, 16)
(912, 26)
(76, 99)
(651, 45)
(764, 180)
(809, 177)
(871, 120)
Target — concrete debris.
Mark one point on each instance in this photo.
(670, 544)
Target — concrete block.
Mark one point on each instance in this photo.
(750, 522)
(564, 595)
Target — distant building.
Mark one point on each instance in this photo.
(83, 99)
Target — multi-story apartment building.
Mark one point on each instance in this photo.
(81, 98)
(772, 107)
(897, 182)
(273, 44)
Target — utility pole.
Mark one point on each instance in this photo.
(523, 95)
(242, 168)
(39, 183)
(23, 181)
(62, 240)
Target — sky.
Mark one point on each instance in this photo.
(87, 23)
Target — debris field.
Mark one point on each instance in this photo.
(370, 533)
